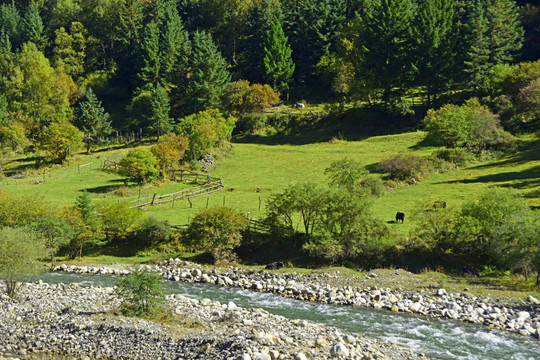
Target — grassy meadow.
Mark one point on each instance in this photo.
(257, 168)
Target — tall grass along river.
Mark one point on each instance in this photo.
(437, 339)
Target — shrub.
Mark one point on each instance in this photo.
(373, 185)
(217, 230)
(18, 210)
(139, 165)
(141, 293)
(242, 97)
(20, 250)
(168, 151)
(471, 126)
(527, 105)
(154, 231)
(60, 140)
(205, 130)
(119, 219)
(480, 220)
(457, 156)
(404, 167)
(251, 122)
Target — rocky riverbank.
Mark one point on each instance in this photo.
(78, 323)
(522, 318)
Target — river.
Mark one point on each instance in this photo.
(435, 338)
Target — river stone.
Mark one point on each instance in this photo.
(301, 356)
(260, 356)
(245, 357)
(441, 292)
(196, 272)
(523, 315)
(415, 307)
(533, 300)
(231, 306)
(339, 349)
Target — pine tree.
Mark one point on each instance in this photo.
(209, 75)
(435, 33)
(263, 15)
(319, 23)
(11, 23)
(150, 72)
(33, 28)
(494, 36)
(277, 60)
(93, 119)
(160, 122)
(388, 42)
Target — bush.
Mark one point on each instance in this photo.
(168, 152)
(154, 231)
(139, 165)
(404, 167)
(251, 122)
(20, 250)
(217, 230)
(141, 293)
(205, 130)
(242, 97)
(119, 219)
(457, 156)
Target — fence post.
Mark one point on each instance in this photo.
(153, 198)
(224, 200)
(259, 203)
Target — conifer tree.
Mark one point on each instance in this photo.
(313, 33)
(93, 119)
(128, 34)
(435, 35)
(209, 75)
(150, 71)
(278, 64)
(11, 23)
(261, 18)
(388, 42)
(33, 28)
(494, 36)
(160, 122)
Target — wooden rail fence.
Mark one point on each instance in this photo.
(211, 186)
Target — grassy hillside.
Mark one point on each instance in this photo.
(255, 170)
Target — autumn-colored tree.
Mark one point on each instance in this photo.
(168, 151)
(60, 140)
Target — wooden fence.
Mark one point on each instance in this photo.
(189, 193)
(255, 225)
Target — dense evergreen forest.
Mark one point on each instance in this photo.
(151, 62)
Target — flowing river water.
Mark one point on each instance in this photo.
(435, 338)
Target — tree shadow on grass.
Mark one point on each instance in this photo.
(524, 179)
(111, 186)
(351, 125)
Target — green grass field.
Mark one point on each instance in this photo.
(255, 170)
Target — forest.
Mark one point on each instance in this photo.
(185, 76)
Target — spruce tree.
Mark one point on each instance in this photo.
(160, 122)
(494, 36)
(435, 34)
(278, 64)
(11, 23)
(261, 18)
(209, 75)
(150, 71)
(93, 119)
(33, 28)
(313, 33)
(128, 34)
(388, 43)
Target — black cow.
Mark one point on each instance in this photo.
(400, 216)
(275, 265)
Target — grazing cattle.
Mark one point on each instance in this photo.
(400, 216)
(470, 271)
(275, 265)
(299, 105)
